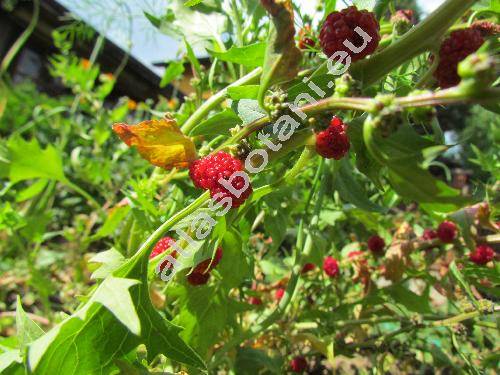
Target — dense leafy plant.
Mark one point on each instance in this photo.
(291, 222)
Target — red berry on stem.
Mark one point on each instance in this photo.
(331, 267)
(341, 26)
(306, 43)
(255, 301)
(298, 364)
(447, 231)
(459, 45)
(207, 172)
(279, 293)
(429, 234)
(204, 266)
(333, 143)
(196, 278)
(161, 246)
(376, 244)
(482, 255)
(308, 267)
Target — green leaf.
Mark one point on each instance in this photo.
(250, 56)
(251, 361)
(31, 191)
(248, 110)
(330, 6)
(174, 70)
(190, 3)
(11, 363)
(113, 220)
(351, 190)
(27, 329)
(244, 92)
(234, 266)
(203, 315)
(108, 261)
(410, 300)
(192, 58)
(282, 59)
(109, 330)
(218, 124)
(28, 161)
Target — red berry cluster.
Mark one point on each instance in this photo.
(331, 267)
(482, 255)
(459, 45)
(278, 294)
(333, 143)
(306, 40)
(308, 267)
(298, 364)
(429, 234)
(376, 244)
(447, 231)
(201, 272)
(207, 173)
(161, 246)
(257, 301)
(340, 27)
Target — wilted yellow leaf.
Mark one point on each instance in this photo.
(160, 142)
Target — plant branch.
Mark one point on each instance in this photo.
(218, 98)
(418, 40)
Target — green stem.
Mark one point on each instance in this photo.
(218, 98)
(167, 225)
(290, 289)
(83, 193)
(418, 40)
(19, 43)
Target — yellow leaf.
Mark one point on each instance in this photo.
(160, 142)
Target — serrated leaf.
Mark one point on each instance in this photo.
(351, 190)
(27, 329)
(108, 261)
(250, 56)
(282, 59)
(28, 161)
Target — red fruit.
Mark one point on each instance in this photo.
(376, 244)
(482, 255)
(447, 231)
(486, 28)
(459, 45)
(331, 267)
(161, 246)
(204, 266)
(298, 364)
(207, 172)
(255, 301)
(308, 267)
(197, 278)
(279, 293)
(404, 15)
(340, 27)
(306, 43)
(429, 234)
(333, 143)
